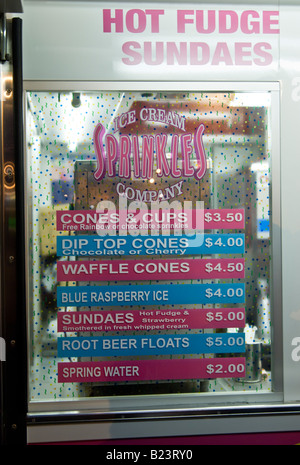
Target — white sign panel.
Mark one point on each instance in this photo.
(170, 41)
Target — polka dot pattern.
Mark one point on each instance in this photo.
(60, 143)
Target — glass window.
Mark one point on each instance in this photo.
(150, 226)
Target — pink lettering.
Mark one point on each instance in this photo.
(148, 157)
(182, 20)
(163, 168)
(211, 22)
(136, 155)
(108, 20)
(187, 150)
(172, 52)
(269, 24)
(124, 163)
(159, 53)
(129, 49)
(249, 27)
(114, 153)
(111, 154)
(155, 14)
(194, 53)
(99, 151)
(136, 20)
(265, 58)
(200, 152)
(222, 55)
(242, 51)
(175, 171)
(137, 16)
(228, 21)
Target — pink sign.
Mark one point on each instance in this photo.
(144, 220)
(109, 150)
(161, 38)
(145, 370)
(151, 320)
(124, 220)
(139, 270)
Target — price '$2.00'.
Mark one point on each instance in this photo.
(220, 370)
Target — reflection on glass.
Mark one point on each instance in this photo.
(63, 157)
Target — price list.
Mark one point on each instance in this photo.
(182, 263)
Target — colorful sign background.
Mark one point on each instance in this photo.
(139, 270)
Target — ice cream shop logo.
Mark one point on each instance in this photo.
(174, 154)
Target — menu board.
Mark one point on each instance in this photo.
(138, 266)
(150, 243)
